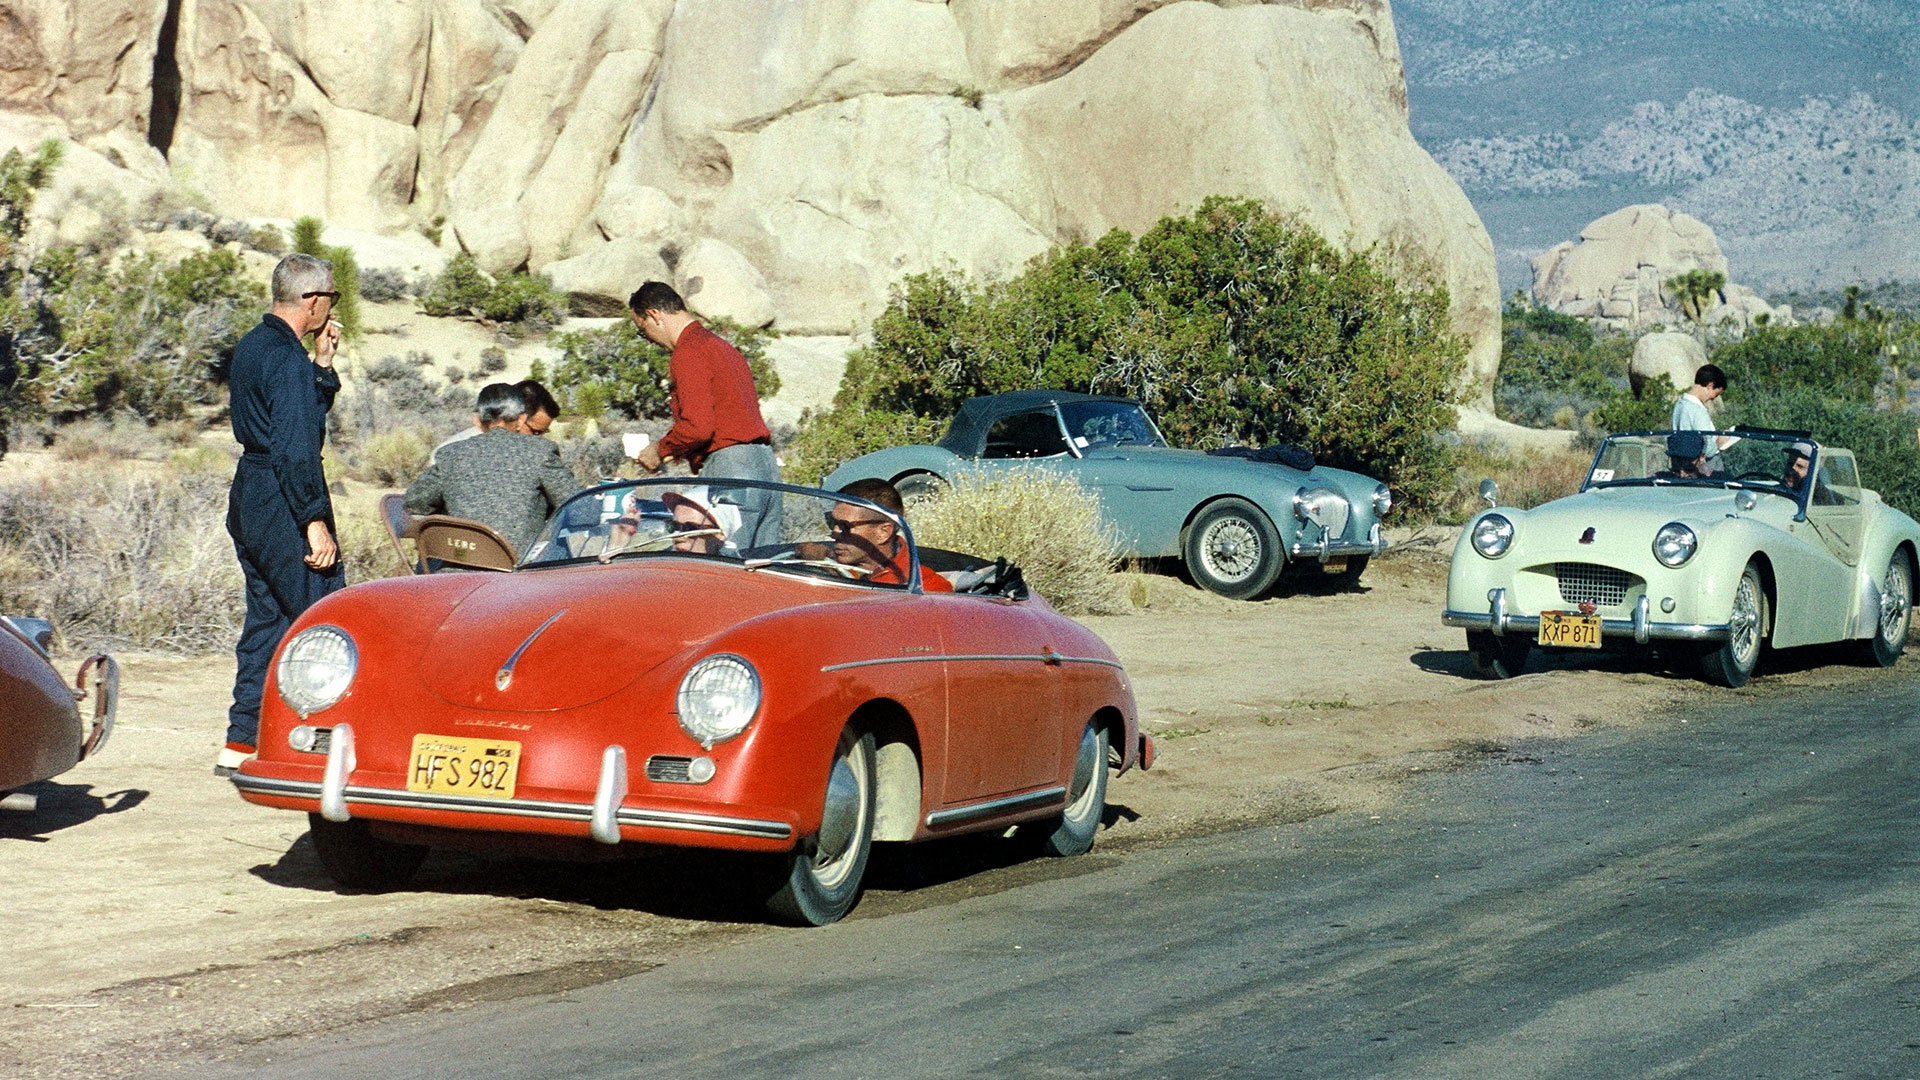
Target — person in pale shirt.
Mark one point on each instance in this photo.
(1690, 412)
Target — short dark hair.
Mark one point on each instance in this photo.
(1711, 377)
(499, 403)
(655, 296)
(877, 491)
(537, 398)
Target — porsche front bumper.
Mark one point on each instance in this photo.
(1640, 627)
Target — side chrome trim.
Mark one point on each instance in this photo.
(1044, 658)
(530, 808)
(958, 814)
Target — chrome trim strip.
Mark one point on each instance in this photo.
(1325, 551)
(503, 677)
(604, 824)
(532, 808)
(340, 766)
(995, 806)
(1655, 631)
(1044, 658)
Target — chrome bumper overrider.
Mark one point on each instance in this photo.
(1374, 544)
(530, 808)
(1640, 628)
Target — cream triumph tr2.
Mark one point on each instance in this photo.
(1779, 545)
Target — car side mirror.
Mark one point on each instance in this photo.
(1490, 491)
(1744, 501)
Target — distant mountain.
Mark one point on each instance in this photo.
(1792, 128)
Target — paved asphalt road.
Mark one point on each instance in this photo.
(1736, 896)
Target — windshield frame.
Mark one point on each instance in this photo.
(545, 538)
(1799, 498)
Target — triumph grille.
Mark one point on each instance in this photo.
(1586, 583)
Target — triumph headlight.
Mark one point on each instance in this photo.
(718, 698)
(1492, 535)
(316, 668)
(1674, 544)
(1382, 500)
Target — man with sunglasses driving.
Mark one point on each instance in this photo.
(872, 542)
(278, 510)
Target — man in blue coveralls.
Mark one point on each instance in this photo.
(278, 511)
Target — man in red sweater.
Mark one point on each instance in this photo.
(717, 429)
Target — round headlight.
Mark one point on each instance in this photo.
(316, 668)
(1492, 535)
(718, 698)
(1674, 544)
(1382, 500)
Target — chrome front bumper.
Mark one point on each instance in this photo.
(1640, 627)
(1374, 544)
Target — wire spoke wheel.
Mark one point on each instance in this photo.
(1232, 549)
(1733, 662)
(1896, 612)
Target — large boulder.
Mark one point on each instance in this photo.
(1665, 357)
(1616, 275)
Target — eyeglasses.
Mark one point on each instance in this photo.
(328, 294)
(842, 525)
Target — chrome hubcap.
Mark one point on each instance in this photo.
(1083, 767)
(1895, 604)
(839, 821)
(1231, 549)
(1744, 625)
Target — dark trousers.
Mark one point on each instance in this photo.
(272, 549)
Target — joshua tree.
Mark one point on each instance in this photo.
(1694, 288)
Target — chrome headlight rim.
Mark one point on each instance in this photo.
(1492, 535)
(1310, 498)
(718, 699)
(316, 668)
(1675, 544)
(1382, 499)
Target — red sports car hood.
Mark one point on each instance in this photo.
(559, 639)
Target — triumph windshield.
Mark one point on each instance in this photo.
(1779, 463)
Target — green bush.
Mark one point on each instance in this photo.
(1232, 325)
(614, 369)
(1554, 368)
(522, 302)
(1840, 359)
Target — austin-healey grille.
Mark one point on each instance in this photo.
(1588, 583)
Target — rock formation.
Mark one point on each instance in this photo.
(1616, 275)
(1671, 356)
(780, 160)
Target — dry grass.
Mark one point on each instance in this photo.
(1044, 523)
(1526, 479)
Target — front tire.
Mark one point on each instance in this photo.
(1896, 612)
(1072, 832)
(1233, 550)
(1498, 656)
(1733, 662)
(824, 872)
(356, 859)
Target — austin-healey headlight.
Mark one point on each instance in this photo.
(1674, 544)
(718, 698)
(1492, 535)
(1382, 500)
(316, 668)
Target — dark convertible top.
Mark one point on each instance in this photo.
(967, 434)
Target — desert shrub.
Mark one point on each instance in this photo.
(1233, 325)
(1527, 478)
(592, 458)
(614, 369)
(493, 359)
(395, 456)
(454, 374)
(382, 285)
(519, 302)
(366, 549)
(1883, 441)
(121, 438)
(346, 273)
(123, 561)
(380, 426)
(1555, 371)
(1839, 360)
(1042, 521)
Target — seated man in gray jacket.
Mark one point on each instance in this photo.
(502, 478)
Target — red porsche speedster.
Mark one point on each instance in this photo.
(639, 678)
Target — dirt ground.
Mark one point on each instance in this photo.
(157, 920)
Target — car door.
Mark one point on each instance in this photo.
(1003, 698)
(1817, 596)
